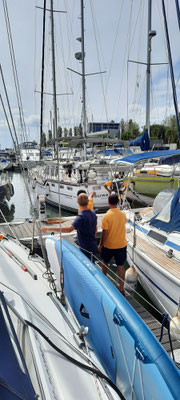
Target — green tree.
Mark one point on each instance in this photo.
(59, 132)
(70, 132)
(65, 132)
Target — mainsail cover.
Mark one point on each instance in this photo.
(169, 218)
(142, 141)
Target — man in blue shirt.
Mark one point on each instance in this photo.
(85, 224)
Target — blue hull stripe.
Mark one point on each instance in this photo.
(145, 231)
(150, 280)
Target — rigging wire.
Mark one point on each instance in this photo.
(76, 362)
(114, 45)
(98, 56)
(15, 74)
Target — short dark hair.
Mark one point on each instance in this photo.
(113, 199)
(83, 200)
(80, 191)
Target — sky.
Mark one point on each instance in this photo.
(115, 32)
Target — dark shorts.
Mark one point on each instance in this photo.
(118, 254)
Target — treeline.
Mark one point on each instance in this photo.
(167, 131)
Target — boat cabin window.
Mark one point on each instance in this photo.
(69, 188)
(95, 188)
(52, 184)
(56, 171)
(61, 186)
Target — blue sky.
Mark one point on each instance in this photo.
(115, 30)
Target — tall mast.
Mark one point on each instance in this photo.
(42, 79)
(148, 71)
(150, 35)
(84, 119)
(54, 79)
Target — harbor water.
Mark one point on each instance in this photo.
(19, 207)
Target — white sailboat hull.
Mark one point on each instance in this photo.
(162, 287)
(68, 194)
(52, 375)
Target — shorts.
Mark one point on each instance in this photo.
(118, 254)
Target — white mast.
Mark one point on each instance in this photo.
(150, 35)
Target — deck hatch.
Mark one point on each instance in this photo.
(157, 236)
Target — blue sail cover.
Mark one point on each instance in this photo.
(142, 141)
(174, 221)
(137, 157)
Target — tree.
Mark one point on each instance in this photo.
(65, 132)
(49, 142)
(70, 132)
(59, 132)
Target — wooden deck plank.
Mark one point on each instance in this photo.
(157, 255)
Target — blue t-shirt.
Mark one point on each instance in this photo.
(85, 224)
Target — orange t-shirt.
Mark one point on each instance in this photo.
(90, 205)
(114, 221)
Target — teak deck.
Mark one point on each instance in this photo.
(157, 255)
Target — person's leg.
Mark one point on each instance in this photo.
(104, 267)
(106, 257)
(121, 274)
(120, 258)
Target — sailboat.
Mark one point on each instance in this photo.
(66, 178)
(153, 238)
(44, 351)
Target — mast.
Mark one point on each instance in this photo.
(54, 80)
(150, 35)
(84, 118)
(171, 67)
(42, 79)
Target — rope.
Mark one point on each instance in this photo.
(165, 323)
(76, 362)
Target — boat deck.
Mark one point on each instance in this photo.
(23, 231)
(157, 255)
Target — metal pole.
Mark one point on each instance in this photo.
(42, 79)
(148, 71)
(54, 77)
(83, 75)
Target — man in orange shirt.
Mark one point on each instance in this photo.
(117, 185)
(113, 239)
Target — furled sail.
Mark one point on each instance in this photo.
(142, 141)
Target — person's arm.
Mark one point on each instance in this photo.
(92, 195)
(107, 186)
(104, 235)
(65, 229)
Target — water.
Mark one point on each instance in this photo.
(19, 207)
